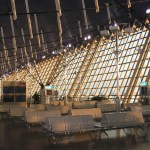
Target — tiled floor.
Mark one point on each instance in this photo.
(15, 137)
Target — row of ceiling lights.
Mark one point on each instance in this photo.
(105, 33)
(112, 28)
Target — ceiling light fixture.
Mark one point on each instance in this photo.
(114, 28)
(104, 33)
(43, 57)
(54, 52)
(14, 9)
(87, 37)
(97, 6)
(69, 45)
(148, 11)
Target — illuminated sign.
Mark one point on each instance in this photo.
(144, 83)
(49, 87)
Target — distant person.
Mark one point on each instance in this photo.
(36, 98)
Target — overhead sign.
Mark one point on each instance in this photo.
(49, 87)
(144, 83)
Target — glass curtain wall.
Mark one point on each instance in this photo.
(100, 75)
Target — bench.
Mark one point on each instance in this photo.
(123, 120)
(132, 104)
(16, 104)
(37, 118)
(10, 110)
(94, 112)
(145, 109)
(17, 114)
(107, 107)
(58, 127)
(4, 109)
(17, 111)
(63, 109)
(84, 104)
(56, 103)
(38, 106)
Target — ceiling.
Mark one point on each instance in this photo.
(72, 11)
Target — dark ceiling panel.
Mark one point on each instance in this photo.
(72, 12)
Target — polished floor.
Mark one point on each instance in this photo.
(16, 137)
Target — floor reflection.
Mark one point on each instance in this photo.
(15, 137)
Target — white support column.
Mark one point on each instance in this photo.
(14, 9)
(13, 35)
(65, 76)
(4, 45)
(80, 30)
(97, 5)
(24, 42)
(117, 72)
(37, 30)
(2, 63)
(85, 14)
(43, 41)
(58, 9)
(108, 13)
(29, 19)
(22, 56)
(31, 49)
(1, 93)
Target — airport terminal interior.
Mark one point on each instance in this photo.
(75, 74)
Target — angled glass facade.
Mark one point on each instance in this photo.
(91, 70)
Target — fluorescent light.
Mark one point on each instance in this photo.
(69, 45)
(148, 11)
(65, 50)
(43, 57)
(89, 37)
(54, 52)
(28, 64)
(85, 38)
